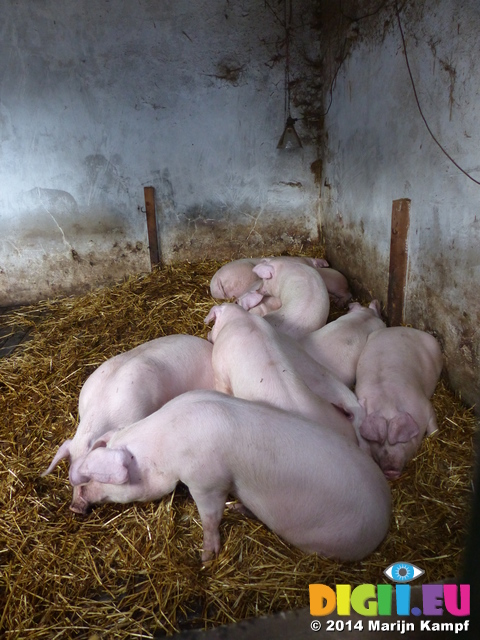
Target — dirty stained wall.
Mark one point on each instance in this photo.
(376, 148)
(100, 98)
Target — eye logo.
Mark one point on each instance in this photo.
(403, 572)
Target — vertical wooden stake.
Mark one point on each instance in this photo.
(149, 193)
(398, 261)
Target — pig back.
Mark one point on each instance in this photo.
(399, 357)
(310, 485)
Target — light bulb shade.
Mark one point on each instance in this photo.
(289, 138)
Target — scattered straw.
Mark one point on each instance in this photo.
(134, 570)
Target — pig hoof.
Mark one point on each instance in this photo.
(208, 556)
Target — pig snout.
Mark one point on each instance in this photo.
(391, 461)
(354, 306)
(79, 504)
(392, 474)
(392, 442)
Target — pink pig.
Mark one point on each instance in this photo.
(236, 277)
(308, 484)
(396, 375)
(251, 360)
(302, 292)
(337, 286)
(132, 385)
(338, 344)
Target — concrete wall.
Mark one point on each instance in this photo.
(376, 149)
(100, 98)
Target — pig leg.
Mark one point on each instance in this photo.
(210, 505)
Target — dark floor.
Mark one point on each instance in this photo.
(300, 625)
(10, 337)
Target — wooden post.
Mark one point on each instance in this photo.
(398, 261)
(149, 193)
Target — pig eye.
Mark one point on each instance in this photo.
(403, 572)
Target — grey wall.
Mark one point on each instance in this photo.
(100, 98)
(376, 149)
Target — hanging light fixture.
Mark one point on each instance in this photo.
(289, 138)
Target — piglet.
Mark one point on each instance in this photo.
(337, 286)
(338, 344)
(131, 385)
(308, 484)
(396, 375)
(302, 292)
(236, 277)
(253, 361)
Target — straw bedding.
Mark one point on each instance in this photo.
(134, 570)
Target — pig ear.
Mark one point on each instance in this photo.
(108, 466)
(250, 299)
(375, 306)
(63, 452)
(319, 263)
(264, 271)
(402, 428)
(212, 314)
(374, 428)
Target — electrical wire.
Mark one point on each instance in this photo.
(418, 102)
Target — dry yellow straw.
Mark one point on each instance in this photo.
(135, 569)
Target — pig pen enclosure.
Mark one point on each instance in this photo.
(135, 569)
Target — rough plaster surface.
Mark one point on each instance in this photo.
(377, 149)
(100, 98)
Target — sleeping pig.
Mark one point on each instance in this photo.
(396, 375)
(337, 286)
(338, 344)
(234, 278)
(132, 385)
(305, 303)
(253, 361)
(308, 484)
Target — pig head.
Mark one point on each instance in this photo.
(396, 375)
(393, 442)
(234, 278)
